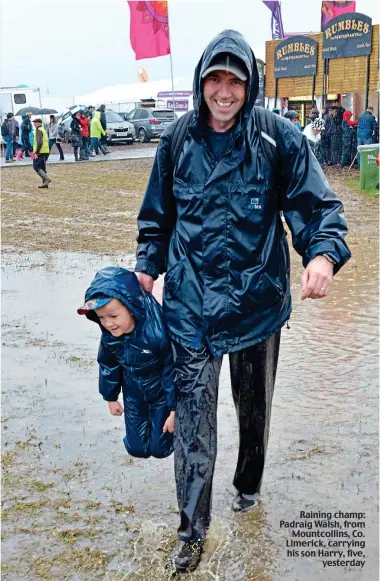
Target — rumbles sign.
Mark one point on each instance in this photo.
(347, 35)
(296, 57)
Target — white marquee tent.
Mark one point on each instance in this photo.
(124, 97)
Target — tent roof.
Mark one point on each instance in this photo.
(134, 91)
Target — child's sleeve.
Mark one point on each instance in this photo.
(110, 374)
(168, 373)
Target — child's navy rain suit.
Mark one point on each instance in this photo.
(139, 363)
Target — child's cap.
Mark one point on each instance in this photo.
(92, 305)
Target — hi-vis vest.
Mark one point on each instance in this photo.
(45, 142)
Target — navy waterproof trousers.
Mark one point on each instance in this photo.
(253, 372)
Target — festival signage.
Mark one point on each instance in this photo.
(163, 94)
(347, 35)
(180, 105)
(296, 57)
(260, 99)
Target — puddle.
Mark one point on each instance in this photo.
(77, 507)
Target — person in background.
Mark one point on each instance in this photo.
(293, 118)
(16, 136)
(326, 137)
(336, 132)
(85, 124)
(314, 114)
(313, 132)
(7, 133)
(41, 152)
(96, 133)
(366, 128)
(90, 111)
(76, 136)
(20, 151)
(347, 138)
(26, 135)
(103, 121)
(54, 137)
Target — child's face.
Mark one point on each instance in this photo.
(116, 318)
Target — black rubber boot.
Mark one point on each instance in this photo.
(189, 557)
(245, 502)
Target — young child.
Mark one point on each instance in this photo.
(134, 356)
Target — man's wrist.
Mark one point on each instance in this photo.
(329, 258)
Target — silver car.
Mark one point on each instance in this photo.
(150, 123)
(118, 129)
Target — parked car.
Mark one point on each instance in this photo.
(118, 129)
(150, 123)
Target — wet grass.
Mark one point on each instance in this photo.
(86, 560)
(352, 181)
(38, 486)
(122, 508)
(88, 208)
(63, 532)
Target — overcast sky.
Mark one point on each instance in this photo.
(85, 43)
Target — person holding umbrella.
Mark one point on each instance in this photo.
(41, 152)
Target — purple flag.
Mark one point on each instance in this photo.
(276, 22)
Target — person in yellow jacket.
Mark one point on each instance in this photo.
(41, 152)
(96, 133)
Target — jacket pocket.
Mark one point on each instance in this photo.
(272, 288)
(264, 294)
(173, 280)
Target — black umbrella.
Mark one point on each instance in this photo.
(46, 112)
(28, 111)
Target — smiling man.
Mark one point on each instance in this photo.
(212, 223)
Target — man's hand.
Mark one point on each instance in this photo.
(317, 279)
(145, 280)
(115, 408)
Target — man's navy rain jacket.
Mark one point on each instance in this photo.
(215, 228)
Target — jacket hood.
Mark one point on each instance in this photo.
(347, 115)
(97, 114)
(117, 283)
(232, 42)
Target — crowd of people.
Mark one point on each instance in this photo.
(334, 136)
(88, 135)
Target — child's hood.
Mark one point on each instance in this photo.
(117, 283)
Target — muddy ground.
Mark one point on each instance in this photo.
(76, 507)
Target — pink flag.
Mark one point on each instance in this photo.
(149, 29)
(331, 9)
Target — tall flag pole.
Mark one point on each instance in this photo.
(276, 22)
(171, 64)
